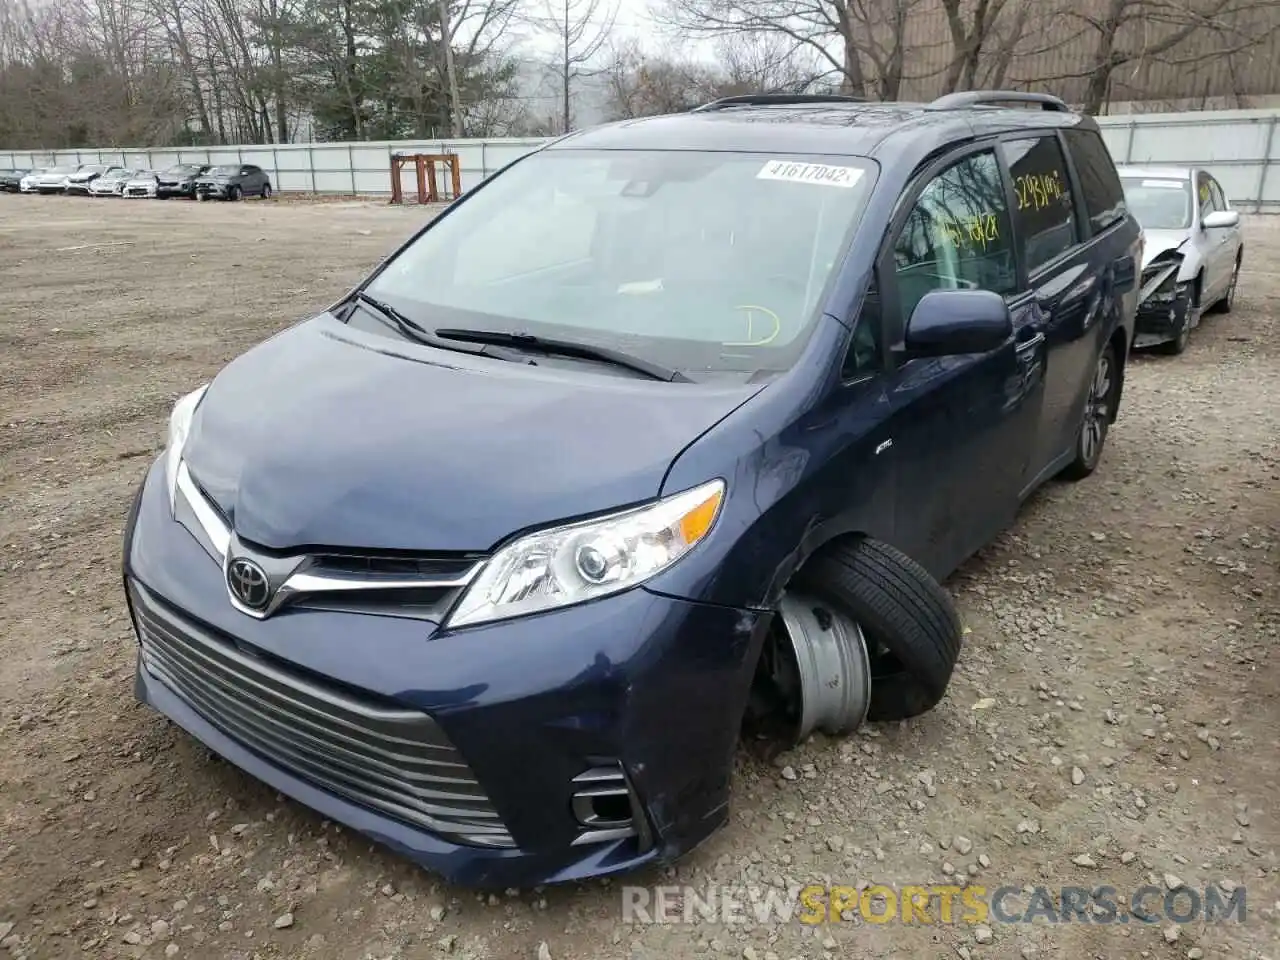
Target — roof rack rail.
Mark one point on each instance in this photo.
(775, 100)
(976, 98)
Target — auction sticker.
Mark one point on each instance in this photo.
(820, 173)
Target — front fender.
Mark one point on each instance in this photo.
(799, 460)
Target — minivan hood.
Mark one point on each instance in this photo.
(1161, 241)
(327, 436)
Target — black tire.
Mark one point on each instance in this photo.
(266, 191)
(1099, 411)
(1178, 345)
(233, 192)
(912, 629)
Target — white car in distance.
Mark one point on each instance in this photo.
(142, 184)
(1193, 248)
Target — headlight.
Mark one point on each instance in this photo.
(179, 424)
(567, 565)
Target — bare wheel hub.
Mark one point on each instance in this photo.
(833, 671)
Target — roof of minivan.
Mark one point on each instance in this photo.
(863, 129)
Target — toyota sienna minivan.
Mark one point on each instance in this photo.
(670, 427)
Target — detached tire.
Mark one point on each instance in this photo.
(912, 629)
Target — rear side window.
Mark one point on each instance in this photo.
(1099, 182)
(1045, 210)
(957, 234)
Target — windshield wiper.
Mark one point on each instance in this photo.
(420, 334)
(567, 348)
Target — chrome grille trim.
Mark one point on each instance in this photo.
(310, 577)
(395, 761)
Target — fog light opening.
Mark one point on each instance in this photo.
(607, 807)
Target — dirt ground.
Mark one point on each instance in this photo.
(1115, 718)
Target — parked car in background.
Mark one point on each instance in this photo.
(55, 179)
(28, 182)
(1193, 250)
(828, 348)
(232, 181)
(11, 180)
(79, 181)
(143, 183)
(179, 180)
(111, 183)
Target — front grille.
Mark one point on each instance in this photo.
(387, 758)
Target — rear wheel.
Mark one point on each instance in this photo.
(1099, 409)
(266, 191)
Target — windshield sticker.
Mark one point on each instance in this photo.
(1165, 184)
(821, 173)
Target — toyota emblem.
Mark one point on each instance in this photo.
(248, 583)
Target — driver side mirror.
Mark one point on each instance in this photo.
(1221, 218)
(951, 322)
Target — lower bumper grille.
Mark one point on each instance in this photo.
(392, 760)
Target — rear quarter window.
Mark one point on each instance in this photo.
(1099, 181)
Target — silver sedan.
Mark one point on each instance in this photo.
(1193, 247)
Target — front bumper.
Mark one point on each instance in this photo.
(1163, 311)
(83, 187)
(646, 685)
(217, 191)
(176, 190)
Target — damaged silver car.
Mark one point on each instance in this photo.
(1192, 254)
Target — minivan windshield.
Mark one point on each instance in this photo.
(1159, 203)
(693, 260)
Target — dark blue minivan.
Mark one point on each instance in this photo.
(670, 427)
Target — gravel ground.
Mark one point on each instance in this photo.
(1114, 720)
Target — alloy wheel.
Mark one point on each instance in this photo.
(1097, 411)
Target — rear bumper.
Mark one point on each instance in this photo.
(647, 685)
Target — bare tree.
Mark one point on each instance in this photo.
(1155, 47)
(768, 63)
(580, 28)
(863, 42)
(972, 26)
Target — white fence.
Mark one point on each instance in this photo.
(1240, 147)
